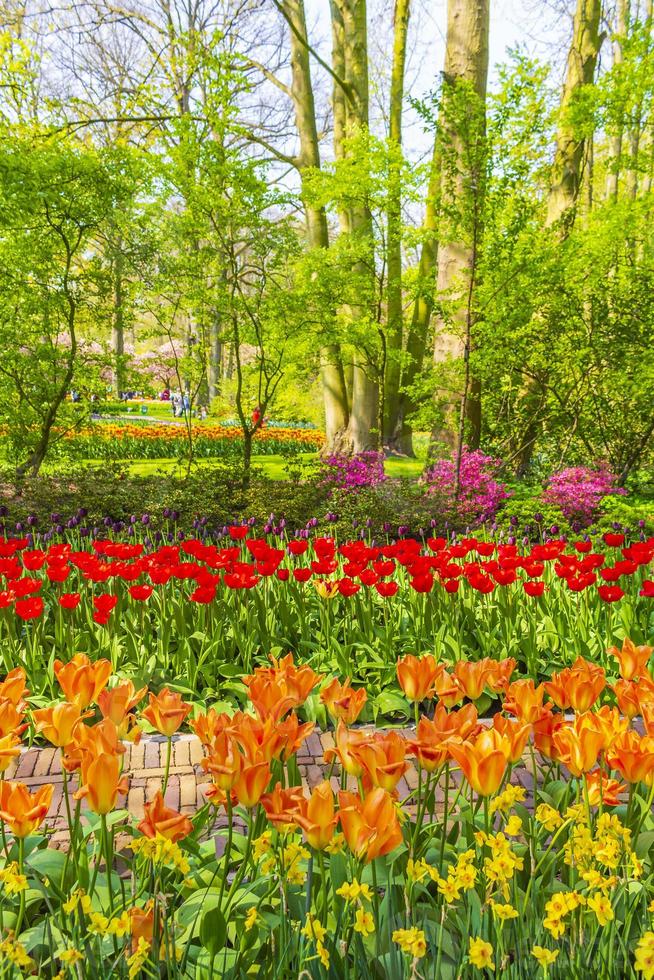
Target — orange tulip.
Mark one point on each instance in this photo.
(578, 686)
(632, 696)
(383, 760)
(58, 723)
(648, 717)
(416, 676)
(318, 817)
(293, 733)
(633, 756)
(162, 821)
(370, 825)
(544, 728)
(474, 677)
(516, 732)
(142, 924)
(11, 718)
(88, 742)
(447, 688)
(224, 762)
(431, 747)
(611, 722)
(633, 660)
(13, 688)
(483, 760)
(80, 680)
(603, 791)
(117, 703)
(282, 806)
(258, 740)
(343, 702)
(524, 700)
(294, 682)
(207, 726)
(166, 712)
(102, 783)
(22, 811)
(251, 783)
(557, 689)
(9, 750)
(347, 743)
(500, 676)
(578, 745)
(268, 699)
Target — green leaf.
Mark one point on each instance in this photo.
(213, 930)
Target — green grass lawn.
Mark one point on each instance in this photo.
(274, 467)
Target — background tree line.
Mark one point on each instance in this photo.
(207, 178)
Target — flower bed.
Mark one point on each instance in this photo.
(160, 441)
(204, 611)
(461, 878)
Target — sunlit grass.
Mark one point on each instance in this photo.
(273, 467)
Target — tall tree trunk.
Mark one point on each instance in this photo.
(615, 147)
(118, 322)
(331, 365)
(394, 319)
(350, 37)
(466, 70)
(416, 342)
(565, 178)
(570, 146)
(215, 356)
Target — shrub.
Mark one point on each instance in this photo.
(354, 472)
(480, 495)
(579, 490)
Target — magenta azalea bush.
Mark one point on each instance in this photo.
(579, 490)
(355, 472)
(480, 494)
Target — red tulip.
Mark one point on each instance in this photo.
(140, 592)
(386, 589)
(30, 608)
(610, 593)
(69, 600)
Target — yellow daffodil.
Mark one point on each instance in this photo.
(602, 908)
(480, 954)
(545, 957)
(644, 962)
(364, 923)
(411, 941)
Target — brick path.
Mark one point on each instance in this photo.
(145, 765)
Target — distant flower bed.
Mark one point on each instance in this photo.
(153, 441)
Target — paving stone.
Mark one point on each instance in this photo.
(152, 758)
(188, 789)
(136, 802)
(172, 794)
(196, 751)
(43, 763)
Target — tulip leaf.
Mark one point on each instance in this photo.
(213, 930)
(388, 702)
(49, 864)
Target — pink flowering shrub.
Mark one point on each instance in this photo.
(354, 472)
(579, 490)
(480, 493)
